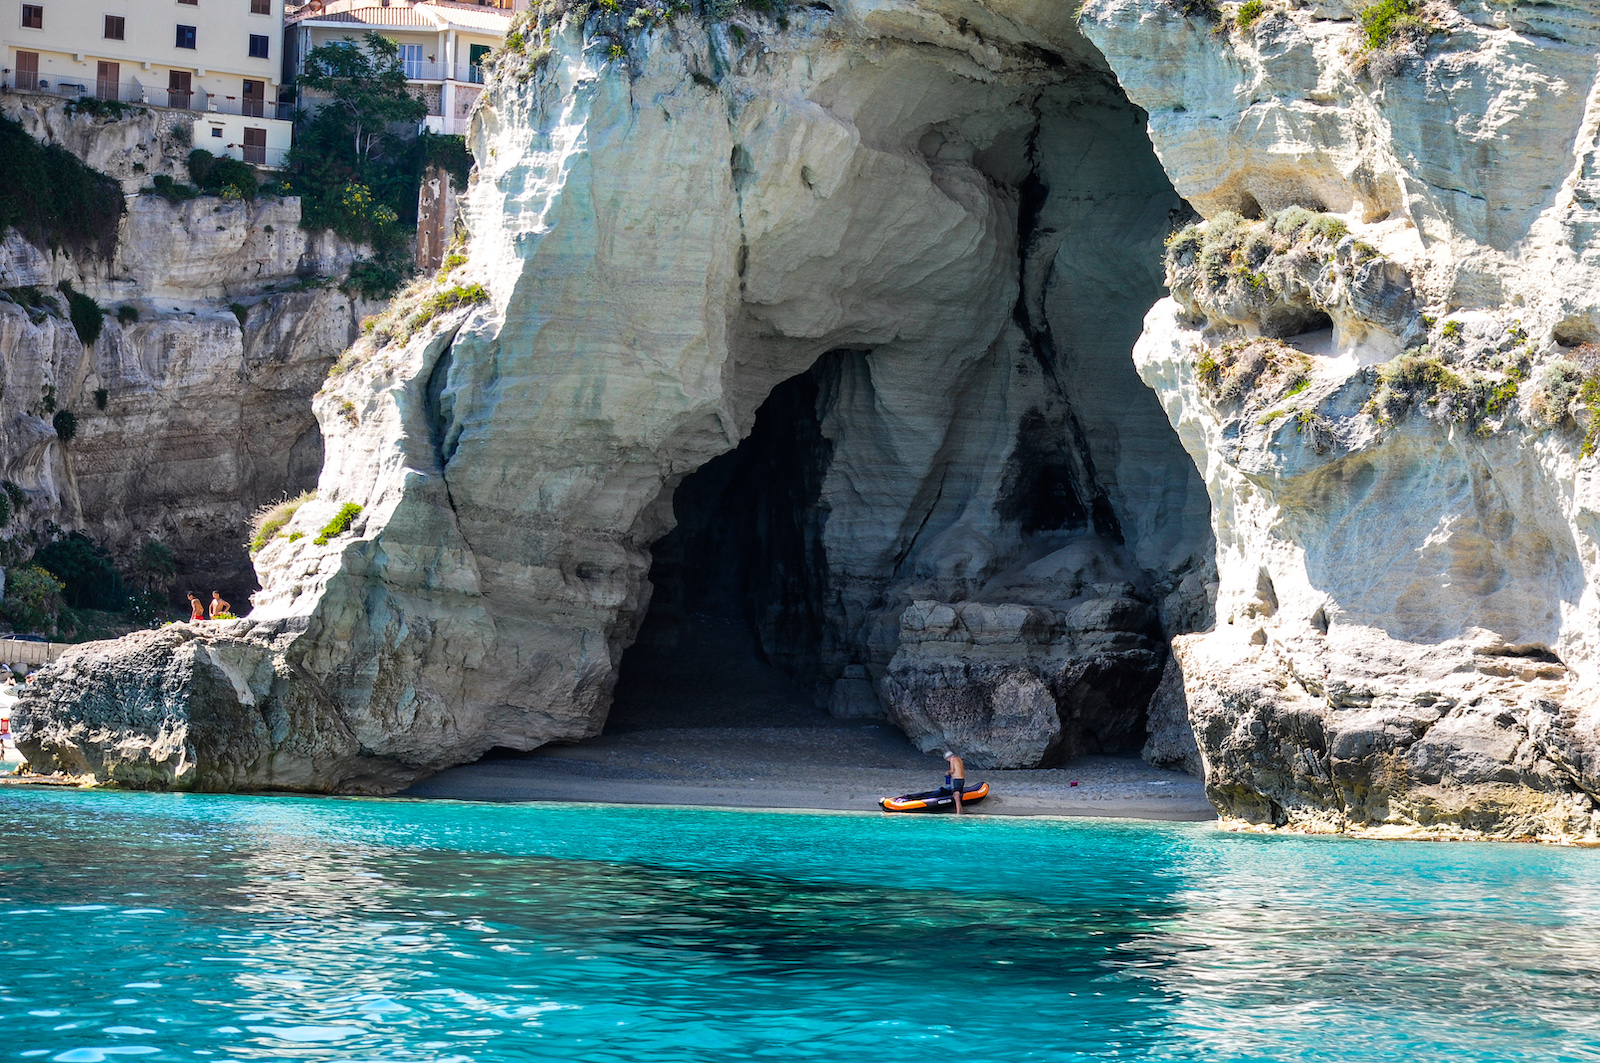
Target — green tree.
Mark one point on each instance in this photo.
(90, 579)
(157, 565)
(366, 88)
(33, 600)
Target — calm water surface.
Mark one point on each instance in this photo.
(181, 927)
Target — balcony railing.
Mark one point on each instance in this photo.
(154, 96)
(422, 71)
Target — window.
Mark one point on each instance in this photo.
(185, 37)
(106, 78)
(114, 27)
(216, 131)
(32, 17)
(261, 7)
(180, 90)
(255, 98)
(191, 3)
(411, 59)
(27, 70)
(258, 45)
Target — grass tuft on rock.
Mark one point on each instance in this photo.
(270, 520)
(339, 524)
(1274, 272)
(1255, 372)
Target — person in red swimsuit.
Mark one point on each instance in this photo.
(197, 611)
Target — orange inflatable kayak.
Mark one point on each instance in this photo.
(940, 800)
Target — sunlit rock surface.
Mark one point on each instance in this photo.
(1406, 615)
(949, 215)
(1375, 566)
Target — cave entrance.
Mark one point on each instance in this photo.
(735, 623)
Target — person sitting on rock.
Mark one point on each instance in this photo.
(197, 611)
(218, 606)
(956, 780)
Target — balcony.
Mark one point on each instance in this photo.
(152, 96)
(198, 102)
(418, 70)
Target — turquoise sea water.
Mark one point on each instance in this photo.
(182, 927)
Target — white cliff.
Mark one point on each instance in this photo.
(874, 275)
(943, 222)
(1406, 612)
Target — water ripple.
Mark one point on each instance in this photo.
(296, 929)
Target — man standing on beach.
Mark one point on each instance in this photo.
(956, 780)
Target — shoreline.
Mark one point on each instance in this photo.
(834, 767)
(824, 769)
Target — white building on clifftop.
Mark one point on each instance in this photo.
(219, 58)
(442, 44)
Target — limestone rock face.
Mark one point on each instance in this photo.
(945, 217)
(1402, 496)
(218, 708)
(1169, 741)
(1029, 685)
(132, 146)
(196, 411)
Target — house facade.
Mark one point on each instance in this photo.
(220, 59)
(442, 44)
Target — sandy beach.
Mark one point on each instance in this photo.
(691, 728)
(843, 768)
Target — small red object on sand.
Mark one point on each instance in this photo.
(1072, 783)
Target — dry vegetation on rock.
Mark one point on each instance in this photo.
(1279, 273)
(269, 521)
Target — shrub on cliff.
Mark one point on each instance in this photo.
(1386, 20)
(37, 304)
(169, 190)
(65, 422)
(1268, 271)
(373, 278)
(1392, 32)
(88, 317)
(1426, 381)
(1254, 372)
(222, 176)
(444, 301)
(1569, 391)
(52, 199)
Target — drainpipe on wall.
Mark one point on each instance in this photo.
(447, 101)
